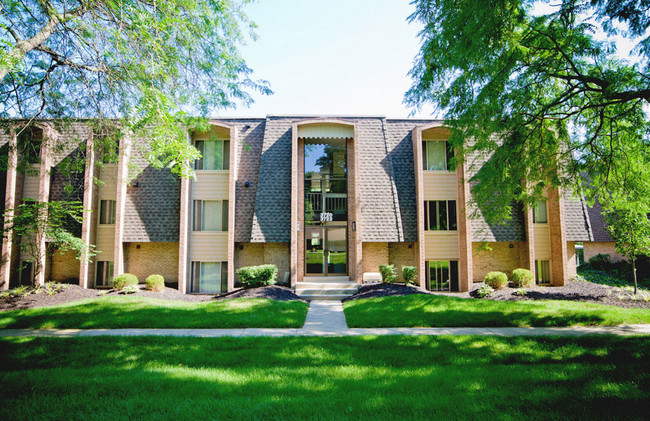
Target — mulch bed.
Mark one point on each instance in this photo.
(75, 292)
(573, 291)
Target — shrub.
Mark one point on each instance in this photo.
(520, 292)
(21, 291)
(124, 280)
(485, 291)
(601, 261)
(410, 274)
(154, 283)
(130, 289)
(257, 276)
(388, 273)
(522, 278)
(496, 280)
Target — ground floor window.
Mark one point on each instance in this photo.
(442, 275)
(104, 274)
(542, 272)
(209, 277)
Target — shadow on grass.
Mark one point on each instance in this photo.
(325, 378)
(137, 312)
(444, 311)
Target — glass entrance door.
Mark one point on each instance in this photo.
(326, 250)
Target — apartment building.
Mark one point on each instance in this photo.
(326, 199)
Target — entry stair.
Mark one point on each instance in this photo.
(326, 287)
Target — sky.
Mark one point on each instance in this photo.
(332, 57)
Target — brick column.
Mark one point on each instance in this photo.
(295, 223)
(88, 226)
(232, 183)
(464, 233)
(120, 204)
(8, 242)
(43, 197)
(529, 257)
(300, 198)
(558, 238)
(358, 220)
(183, 233)
(416, 138)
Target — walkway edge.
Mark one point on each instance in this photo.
(621, 330)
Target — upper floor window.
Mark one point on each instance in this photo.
(440, 215)
(210, 215)
(107, 212)
(215, 155)
(437, 155)
(540, 215)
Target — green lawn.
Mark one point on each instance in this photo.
(443, 311)
(138, 312)
(385, 378)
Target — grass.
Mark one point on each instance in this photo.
(421, 310)
(138, 312)
(383, 378)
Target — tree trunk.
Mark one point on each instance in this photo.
(634, 273)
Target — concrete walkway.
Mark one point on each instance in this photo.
(326, 318)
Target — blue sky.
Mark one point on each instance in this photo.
(332, 57)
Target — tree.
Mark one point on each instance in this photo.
(148, 63)
(33, 222)
(534, 83)
(631, 232)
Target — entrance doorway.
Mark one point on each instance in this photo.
(326, 250)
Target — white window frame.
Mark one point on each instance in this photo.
(427, 221)
(536, 213)
(425, 151)
(195, 279)
(198, 213)
(107, 275)
(225, 154)
(111, 206)
(540, 271)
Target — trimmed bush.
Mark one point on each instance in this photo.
(601, 261)
(154, 283)
(522, 278)
(257, 276)
(409, 274)
(124, 280)
(388, 273)
(496, 280)
(485, 291)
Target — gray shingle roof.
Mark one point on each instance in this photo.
(597, 222)
(576, 219)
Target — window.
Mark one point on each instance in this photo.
(440, 215)
(210, 215)
(107, 212)
(215, 155)
(437, 155)
(442, 275)
(543, 272)
(209, 277)
(104, 274)
(539, 212)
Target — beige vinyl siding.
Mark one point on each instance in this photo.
(105, 242)
(209, 246)
(211, 185)
(441, 245)
(108, 176)
(327, 130)
(542, 242)
(440, 185)
(30, 188)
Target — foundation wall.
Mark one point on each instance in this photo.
(64, 267)
(152, 258)
(374, 254)
(500, 258)
(255, 254)
(571, 268)
(593, 248)
(399, 254)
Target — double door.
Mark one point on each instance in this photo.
(326, 250)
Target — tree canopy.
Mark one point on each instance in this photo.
(151, 64)
(533, 83)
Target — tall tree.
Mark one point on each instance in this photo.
(538, 82)
(149, 63)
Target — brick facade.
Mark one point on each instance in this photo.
(63, 267)
(605, 247)
(144, 259)
(500, 257)
(255, 254)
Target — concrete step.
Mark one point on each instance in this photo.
(328, 285)
(325, 291)
(326, 279)
(329, 297)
